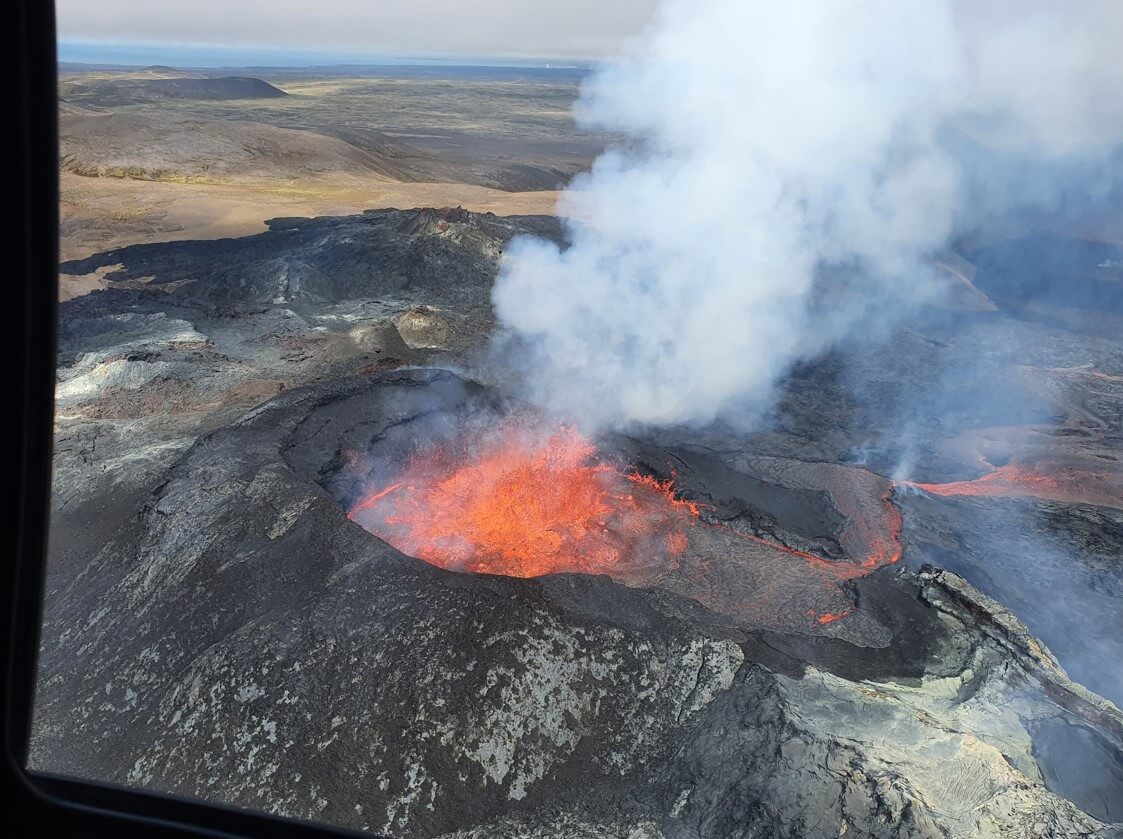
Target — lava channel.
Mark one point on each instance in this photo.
(1049, 482)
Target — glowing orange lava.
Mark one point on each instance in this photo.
(1046, 481)
(521, 503)
(1006, 480)
(525, 507)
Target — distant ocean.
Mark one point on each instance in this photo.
(210, 56)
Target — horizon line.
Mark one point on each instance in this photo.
(131, 53)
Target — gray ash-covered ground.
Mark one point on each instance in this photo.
(217, 626)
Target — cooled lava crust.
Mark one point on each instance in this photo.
(217, 626)
(536, 701)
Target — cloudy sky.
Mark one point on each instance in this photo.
(578, 29)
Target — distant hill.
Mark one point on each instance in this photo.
(71, 69)
(160, 71)
(155, 84)
(171, 147)
(70, 109)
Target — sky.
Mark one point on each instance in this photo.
(347, 30)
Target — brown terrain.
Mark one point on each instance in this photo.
(147, 158)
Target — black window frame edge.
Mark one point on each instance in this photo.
(39, 803)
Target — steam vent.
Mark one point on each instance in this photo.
(340, 566)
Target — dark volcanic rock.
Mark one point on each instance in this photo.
(242, 640)
(185, 340)
(1052, 269)
(125, 91)
(217, 626)
(377, 254)
(174, 146)
(1067, 590)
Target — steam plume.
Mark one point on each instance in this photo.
(776, 154)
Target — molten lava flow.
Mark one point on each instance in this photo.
(885, 543)
(1006, 480)
(525, 504)
(524, 507)
(1048, 481)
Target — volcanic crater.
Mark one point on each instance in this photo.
(294, 585)
(468, 482)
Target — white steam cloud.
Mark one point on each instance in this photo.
(776, 150)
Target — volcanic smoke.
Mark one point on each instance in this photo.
(752, 219)
(700, 251)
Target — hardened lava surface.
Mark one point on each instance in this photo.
(303, 642)
(770, 640)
